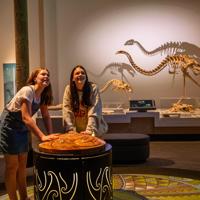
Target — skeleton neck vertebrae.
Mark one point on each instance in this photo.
(183, 63)
(175, 62)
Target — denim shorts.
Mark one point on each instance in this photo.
(13, 133)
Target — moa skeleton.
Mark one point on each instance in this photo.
(170, 48)
(184, 63)
(117, 85)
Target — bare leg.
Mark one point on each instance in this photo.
(11, 167)
(21, 176)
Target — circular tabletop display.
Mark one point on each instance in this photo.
(77, 143)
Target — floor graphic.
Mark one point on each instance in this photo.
(158, 187)
(149, 187)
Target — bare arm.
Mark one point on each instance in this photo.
(46, 118)
(30, 123)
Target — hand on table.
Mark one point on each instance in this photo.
(88, 133)
(50, 137)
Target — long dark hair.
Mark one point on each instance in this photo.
(46, 96)
(74, 92)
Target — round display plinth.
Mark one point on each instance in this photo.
(74, 175)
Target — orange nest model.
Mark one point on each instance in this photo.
(71, 142)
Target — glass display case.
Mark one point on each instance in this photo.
(114, 107)
(184, 107)
(167, 102)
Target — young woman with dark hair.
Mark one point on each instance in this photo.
(82, 106)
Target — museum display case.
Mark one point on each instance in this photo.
(183, 107)
(122, 120)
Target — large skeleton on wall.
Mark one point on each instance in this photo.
(182, 57)
(170, 48)
(183, 63)
(176, 63)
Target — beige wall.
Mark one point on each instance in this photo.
(7, 40)
(90, 32)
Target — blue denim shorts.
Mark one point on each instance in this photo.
(13, 133)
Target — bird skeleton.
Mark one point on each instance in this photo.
(184, 63)
(117, 85)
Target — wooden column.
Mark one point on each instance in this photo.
(21, 42)
(41, 32)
